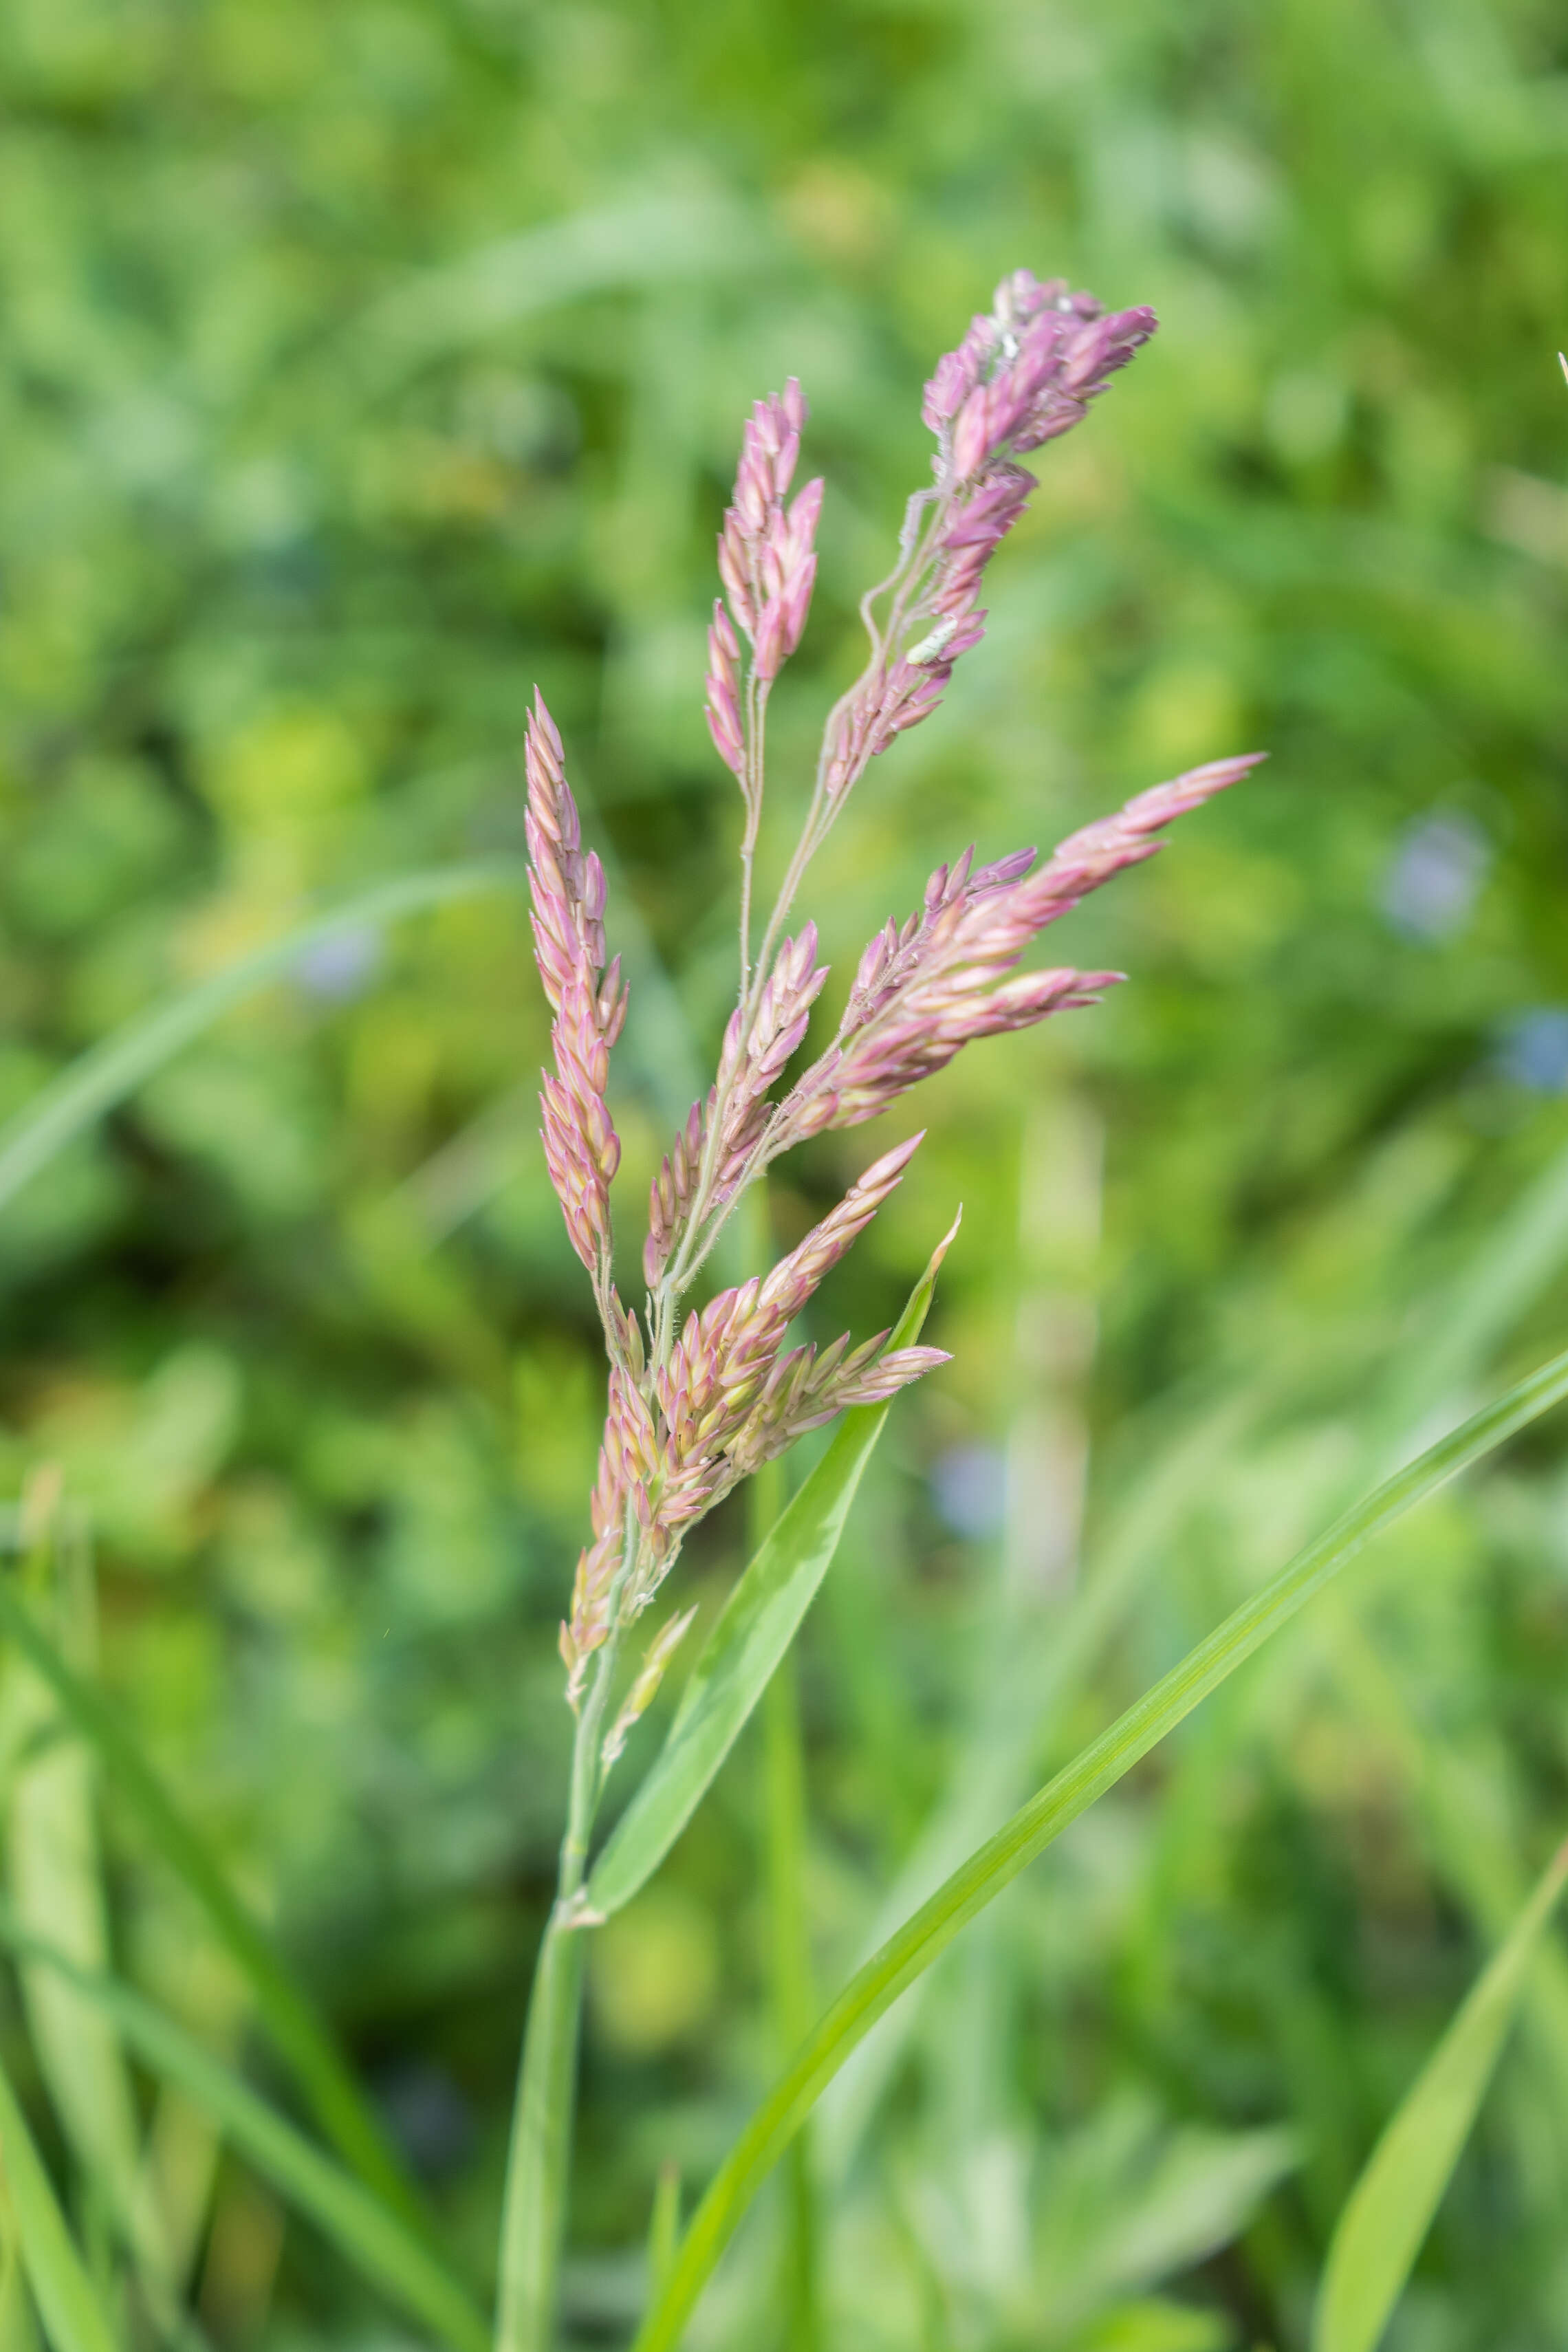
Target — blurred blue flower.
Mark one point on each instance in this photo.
(1434, 875)
(342, 966)
(969, 1487)
(1532, 1049)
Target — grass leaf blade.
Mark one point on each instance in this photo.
(872, 1991)
(113, 1069)
(1391, 2208)
(754, 1629)
(73, 2317)
(296, 2031)
(364, 2229)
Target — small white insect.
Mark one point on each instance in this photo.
(929, 648)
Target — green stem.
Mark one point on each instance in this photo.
(790, 1958)
(789, 1941)
(533, 2217)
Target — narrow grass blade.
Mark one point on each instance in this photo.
(1099, 1766)
(111, 1070)
(19, 2330)
(755, 1628)
(654, 238)
(1391, 2208)
(1047, 1668)
(296, 2031)
(1501, 1278)
(56, 1873)
(533, 2202)
(366, 2232)
(664, 2225)
(73, 2317)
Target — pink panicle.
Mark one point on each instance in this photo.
(766, 551)
(1024, 374)
(752, 1060)
(581, 1148)
(693, 1407)
(724, 705)
(727, 1400)
(926, 989)
(718, 1376)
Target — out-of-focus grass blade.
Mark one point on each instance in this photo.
(114, 1068)
(73, 2317)
(664, 2225)
(755, 1627)
(653, 238)
(1391, 2208)
(1497, 1282)
(56, 1883)
(364, 2229)
(1099, 1766)
(292, 2023)
(1048, 1665)
(19, 2330)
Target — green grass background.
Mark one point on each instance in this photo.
(362, 365)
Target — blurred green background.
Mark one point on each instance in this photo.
(362, 365)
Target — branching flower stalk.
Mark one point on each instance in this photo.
(698, 1401)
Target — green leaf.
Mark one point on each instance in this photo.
(1390, 2210)
(57, 1882)
(73, 2317)
(296, 2032)
(657, 237)
(755, 1628)
(1096, 1768)
(362, 2227)
(664, 2224)
(115, 1067)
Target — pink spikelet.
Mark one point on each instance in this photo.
(751, 1062)
(724, 705)
(926, 989)
(726, 1400)
(582, 1148)
(717, 1381)
(1023, 375)
(767, 557)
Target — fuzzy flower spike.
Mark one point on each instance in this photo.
(767, 562)
(698, 1401)
(582, 1148)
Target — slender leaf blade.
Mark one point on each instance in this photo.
(56, 1872)
(755, 1628)
(296, 2032)
(1389, 2211)
(364, 2229)
(73, 2317)
(874, 1987)
(111, 1070)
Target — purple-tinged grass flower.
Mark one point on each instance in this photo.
(751, 1062)
(723, 704)
(693, 1408)
(926, 989)
(1024, 374)
(726, 1400)
(582, 1148)
(766, 551)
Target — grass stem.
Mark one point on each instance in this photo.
(533, 2214)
